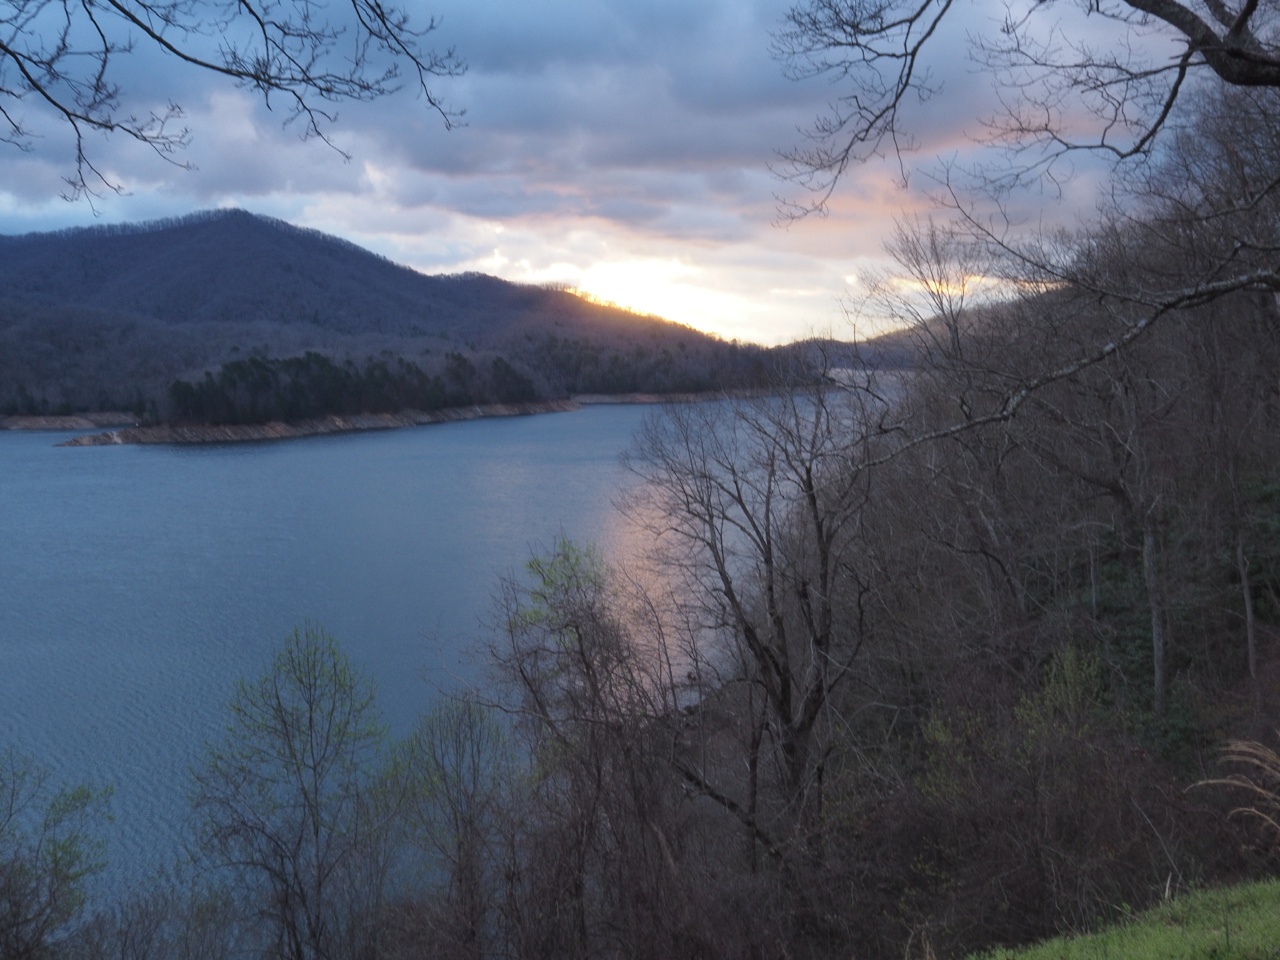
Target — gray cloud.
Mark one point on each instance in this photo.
(598, 134)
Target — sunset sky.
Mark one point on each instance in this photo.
(623, 148)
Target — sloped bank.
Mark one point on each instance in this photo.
(278, 430)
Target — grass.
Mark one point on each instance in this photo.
(1233, 923)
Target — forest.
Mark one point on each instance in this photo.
(259, 390)
(925, 662)
(139, 318)
(926, 659)
(290, 389)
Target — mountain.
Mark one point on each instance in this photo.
(229, 265)
(112, 315)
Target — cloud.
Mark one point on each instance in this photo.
(607, 142)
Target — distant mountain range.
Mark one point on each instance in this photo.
(112, 316)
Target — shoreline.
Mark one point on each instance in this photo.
(320, 426)
(129, 432)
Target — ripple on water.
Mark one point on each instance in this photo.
(138, 584)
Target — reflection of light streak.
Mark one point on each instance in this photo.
(652, 588)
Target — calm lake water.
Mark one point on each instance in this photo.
(137, 584)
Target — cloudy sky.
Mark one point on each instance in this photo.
(622, 147)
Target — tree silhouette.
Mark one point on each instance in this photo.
(65, 57)
(1063, 86)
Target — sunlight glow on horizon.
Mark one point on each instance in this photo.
(668, 288)
(654, 287)
(966, 285)
(699, 288)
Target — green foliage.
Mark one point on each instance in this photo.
(950, 769)
(563, 580)
(962, 744)
(290, 799)
(1068, 700)
(1234, 923)
(461, 379)
(49, 848)
(588, 365)
(453, 774)
(256, 390)
(450, 769)
(568, 652)
(298, 388)
(509, 384)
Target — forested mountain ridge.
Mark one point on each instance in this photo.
(115, 315)
(232, 266)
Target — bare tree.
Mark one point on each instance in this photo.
(1124, 80)
(997, 318)
(63, 57)
(1186, 226)
(289, 802)
(453, 772)
(606, 855)
(48, 850)
(170, 918)
(758, 503)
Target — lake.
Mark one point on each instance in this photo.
(137, 584)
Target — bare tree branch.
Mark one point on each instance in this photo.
(63, 54)
(1046, 81)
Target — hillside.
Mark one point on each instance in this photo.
(232, 266)
(111, 316)
(1231, 923)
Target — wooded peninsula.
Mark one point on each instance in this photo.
(142, 318)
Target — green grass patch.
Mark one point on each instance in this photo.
(1233, 923)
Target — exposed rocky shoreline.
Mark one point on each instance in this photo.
(589, 399)
(277, 430)
(128, 431)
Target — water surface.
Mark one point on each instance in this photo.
(138, 583)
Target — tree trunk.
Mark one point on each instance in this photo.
(1250, 626)
(1155, 598)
